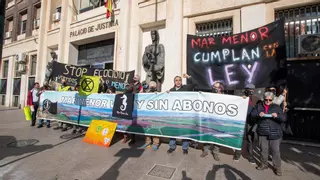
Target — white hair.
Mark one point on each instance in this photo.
(268, 94)
(152, 84)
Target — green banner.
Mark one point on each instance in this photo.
(202, 117)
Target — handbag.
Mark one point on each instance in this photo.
(27, 113)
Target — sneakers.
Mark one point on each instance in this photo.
(64, 129)
(236, 158)
(278, 172)
(216, 157)
(251, 160)
(204, 154)
(170, 151)
(48, 126)
(185, 151)
(40, 126)
(74, 131)
(145, 146)
(262, 167)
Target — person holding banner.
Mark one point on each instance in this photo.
(33, 101)
(179, 88)
(269, 119)
(63, 87)
(137, 87)
(129, 89)
(43, 89)
(155, 141)
(217, 88)
(250, 133)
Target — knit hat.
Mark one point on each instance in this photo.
(250, 86)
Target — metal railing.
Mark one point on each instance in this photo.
(299, 21)
(215, 28)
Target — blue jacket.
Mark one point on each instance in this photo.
(268, 126)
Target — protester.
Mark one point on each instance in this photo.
(250, 132)
(129, 89)
(279, 96)
(76, 88)
(76, 128)
(152, 88)
(43, 89)
(111, 90)
(217, 88)
(269, 117)
(63, 87)
(33, 101)
(179, 87)
(137, 87)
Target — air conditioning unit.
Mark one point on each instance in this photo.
(21, 58)
(309, 44)
(56, 17)
(36, 24)
(8, 34)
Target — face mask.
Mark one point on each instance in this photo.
(153, 89)
(145, 86)
(248, 93)
(215, 90)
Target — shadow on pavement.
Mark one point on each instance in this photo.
(229, 172)
(124, 154)
(16, 151)
(305, 158)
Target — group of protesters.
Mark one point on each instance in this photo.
(264, 124)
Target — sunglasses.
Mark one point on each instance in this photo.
(270, 100)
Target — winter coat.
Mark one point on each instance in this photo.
(268, 126)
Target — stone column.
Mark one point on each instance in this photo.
(10, 82)
(123, 36)
(42, 52)
(66, 18)
(173, 50)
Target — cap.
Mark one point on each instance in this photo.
(250, 86)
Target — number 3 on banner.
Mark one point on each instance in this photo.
(105, 131)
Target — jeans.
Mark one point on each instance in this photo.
(173, 144)
(47, 122)
(34, 113)
(264, 144)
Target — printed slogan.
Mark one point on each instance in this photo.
(72, 74)
(202, 117)
(255, 56)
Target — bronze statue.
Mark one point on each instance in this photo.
(48, 74)
(153, 60)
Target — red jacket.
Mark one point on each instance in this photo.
(29, 98)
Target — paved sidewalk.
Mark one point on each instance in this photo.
(53, 158)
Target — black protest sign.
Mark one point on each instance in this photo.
(72, 74)
(123, 106)
(257, 56)
(50, 107)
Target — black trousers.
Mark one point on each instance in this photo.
(34, 113)
(251, 138)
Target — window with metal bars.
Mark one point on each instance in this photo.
(299, 21)
(215, 28)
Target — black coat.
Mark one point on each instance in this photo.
(186, 87)
(270, 127)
